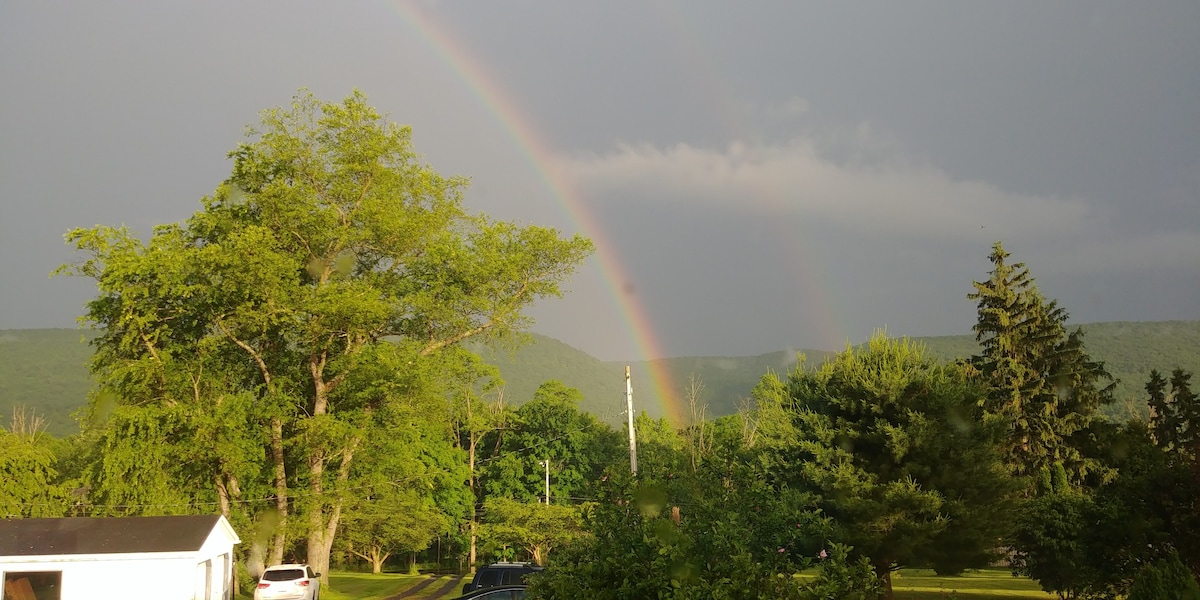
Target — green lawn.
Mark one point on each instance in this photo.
(919, 584)
(913, 584)
(366, 586)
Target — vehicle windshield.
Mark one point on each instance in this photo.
(283, 575)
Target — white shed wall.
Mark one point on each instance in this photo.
(178, 578)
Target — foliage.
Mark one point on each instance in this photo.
(329, 280)
(390, 521)
(897, 451)
(840, 578)
(1175, 415)
(550, 427)
(735, 539)
(659, 447)
(46, 369)
(405, 490)
(1039, 376)
(27, 477)
(1093, 543)
(1055, 545)
(1164, 579)
(535, 528)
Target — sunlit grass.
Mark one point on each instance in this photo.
(998, 584)
(919, 584)
(366, 586)
(910, 584)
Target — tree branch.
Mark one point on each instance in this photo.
(262, 364)
(436, 345)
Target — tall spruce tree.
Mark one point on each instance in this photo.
(1175, 418)
(1040, 376)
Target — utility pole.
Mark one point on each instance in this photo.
(629, 412)
(546, 463)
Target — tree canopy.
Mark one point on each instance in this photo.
(325, 278)
(898, 452)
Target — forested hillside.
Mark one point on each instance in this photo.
(47, 369)
(1129, 351)
(44, 369)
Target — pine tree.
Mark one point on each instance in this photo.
(1039, 375)
(1162, 418)
(1176, 415)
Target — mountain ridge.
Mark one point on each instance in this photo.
(46, 369)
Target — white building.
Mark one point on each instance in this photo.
(155, 558)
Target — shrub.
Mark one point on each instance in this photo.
(1165, 579)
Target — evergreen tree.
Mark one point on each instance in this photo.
(899, 453)
(1040, 376)
(1175, 415)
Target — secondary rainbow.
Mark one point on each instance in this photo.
(492, 97)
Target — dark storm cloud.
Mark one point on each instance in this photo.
(786, 175)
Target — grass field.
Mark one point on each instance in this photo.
(996, 584)
(367, 586)
(988, 584)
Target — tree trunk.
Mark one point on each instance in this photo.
(319, 544)
(281, 494)
(884, 572)
(471, 483)
(222, 494)
(325, 517)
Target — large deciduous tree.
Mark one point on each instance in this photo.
(536, 528)
(324, 277)
(551, 427)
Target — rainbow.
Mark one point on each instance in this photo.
(812, 283)
(492, 97)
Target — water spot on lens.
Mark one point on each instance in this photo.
(650, 499)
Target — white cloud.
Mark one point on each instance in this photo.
(875, 190)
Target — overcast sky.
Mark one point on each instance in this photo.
(762, 175)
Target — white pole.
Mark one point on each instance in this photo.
(629, 412)
(547, 465)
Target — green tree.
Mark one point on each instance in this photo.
(659, 447)
(474, 419)
(325, 276)
(550, 427)
(28, 474)
(1167, 489)
(898, 452)
(1175, 416)
(536, 528)
(1039, 375)
(390, 520)
(1165, 579)
(719, 532)
(1093, 543)
(1054, 545)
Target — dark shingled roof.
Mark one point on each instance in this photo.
(113, 535)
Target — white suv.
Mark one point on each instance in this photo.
(288, 582)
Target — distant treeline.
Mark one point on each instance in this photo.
(46, 369)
